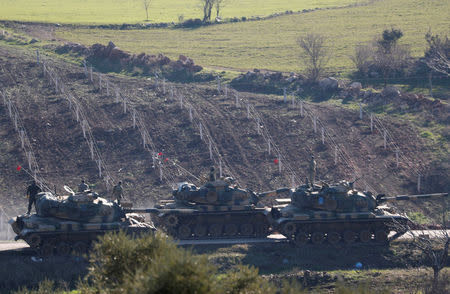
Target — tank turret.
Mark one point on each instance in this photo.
(342, 197)
(339, 197)
(217, 192)
(83, 207)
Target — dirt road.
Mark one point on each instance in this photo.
(275, 238)
(11, 245)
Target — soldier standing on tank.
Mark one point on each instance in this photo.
(32, 192)
(212, 174)
(312, 171)
(118, 192)
(83, 187)
(307, 182)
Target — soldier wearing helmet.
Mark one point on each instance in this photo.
(212, 174)
(118, 192)
(32, 192)
(83, 186)
(312, 171)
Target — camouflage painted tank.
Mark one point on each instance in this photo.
(218, 209)
(338, 212)
(70, 223)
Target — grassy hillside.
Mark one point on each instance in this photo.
(271, 44)
(132, 11)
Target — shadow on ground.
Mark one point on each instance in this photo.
(282, 258)
(24, 269)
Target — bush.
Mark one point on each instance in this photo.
(154, 264)
(191, 23)
(45, 287)
(173, 271)
(383, 57)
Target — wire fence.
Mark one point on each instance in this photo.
(6, 232)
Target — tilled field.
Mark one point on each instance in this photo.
(64, 157)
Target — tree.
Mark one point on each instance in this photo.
(207, 6)
(146, 6)
(434, 249)
(219, 4)
(437, 55)
(389, 39)
(314, 54)
(389, 56)
(362, 58)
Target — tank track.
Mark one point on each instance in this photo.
(67, 243)
(216, 225)
(370, 231)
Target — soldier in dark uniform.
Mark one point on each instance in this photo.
(32, 192)
(212, 174)
(83, 187)
(118, 192)
(312, 171)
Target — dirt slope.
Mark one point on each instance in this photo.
(64, 156)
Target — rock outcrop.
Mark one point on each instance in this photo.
(112, 58)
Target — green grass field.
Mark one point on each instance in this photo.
(271, 44)
(132, 11)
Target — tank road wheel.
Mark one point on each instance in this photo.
(333, 238)
(52, 241)
(349, 237)
(330, 204)
(200, 231)
(262, 227)
(215, 230)
(246, 229)
(365, 236)
(317, 238)
(34, 240)
(80, 248)
(46, 249)
(289, 228)
(301, 238)
(63, 249)
(184, 232)
(171, 221)
(262, 230)
(231, 230)
(381, 236)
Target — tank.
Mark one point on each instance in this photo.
(338, 212)
(218, 209)
(65, 224)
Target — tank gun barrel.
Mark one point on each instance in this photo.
(273, 192)
(381, 198)
(155, 210)
(142, 210)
